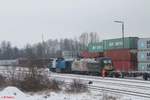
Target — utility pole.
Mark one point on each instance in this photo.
(43, 52)
(121, 22)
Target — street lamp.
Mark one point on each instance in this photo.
(121, 22)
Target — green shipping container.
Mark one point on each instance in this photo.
(129, 43)
(96, 47)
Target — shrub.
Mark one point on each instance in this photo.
(109, 97)
(77, 87)
(2, 81)
(31, 81)
(38, 83)
(54, 85)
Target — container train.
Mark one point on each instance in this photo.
(130, 59)
(102, 66)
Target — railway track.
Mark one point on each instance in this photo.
(136, 88)
(118, 91)
(109, 79)
(113, 83)
(106, 78)
(139, 94)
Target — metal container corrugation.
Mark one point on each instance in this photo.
(144, 56)
(143, 66)
(86, 54)
(144, 44)
(96, 47)
(129, 43)
(125, 65)
(122, 55)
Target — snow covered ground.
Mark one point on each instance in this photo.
(13, 93)
(134, 86)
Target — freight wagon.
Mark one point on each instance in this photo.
(12, 62)
(26, 62)
(39, 62)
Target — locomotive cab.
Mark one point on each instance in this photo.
(106, 65)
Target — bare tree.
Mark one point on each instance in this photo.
(84, 40)
(93, 37)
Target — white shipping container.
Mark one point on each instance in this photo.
(144, 56)
(144, 44)
(143, 66)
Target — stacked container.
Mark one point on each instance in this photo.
(94, 50)
(144, 54)
(124, 57)
(96, 47)
(87, 54)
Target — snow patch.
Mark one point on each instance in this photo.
(11, 91)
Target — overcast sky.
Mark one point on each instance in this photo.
(24, 21)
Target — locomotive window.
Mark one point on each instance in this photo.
(148, 44)
(148, 67)
(148, 54)
(109, 61)
(105, 61)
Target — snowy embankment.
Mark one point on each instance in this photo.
(13, 93)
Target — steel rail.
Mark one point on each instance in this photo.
(109, 82)
(107, 78)
(120, 91)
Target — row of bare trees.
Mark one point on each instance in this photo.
(49, 48)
